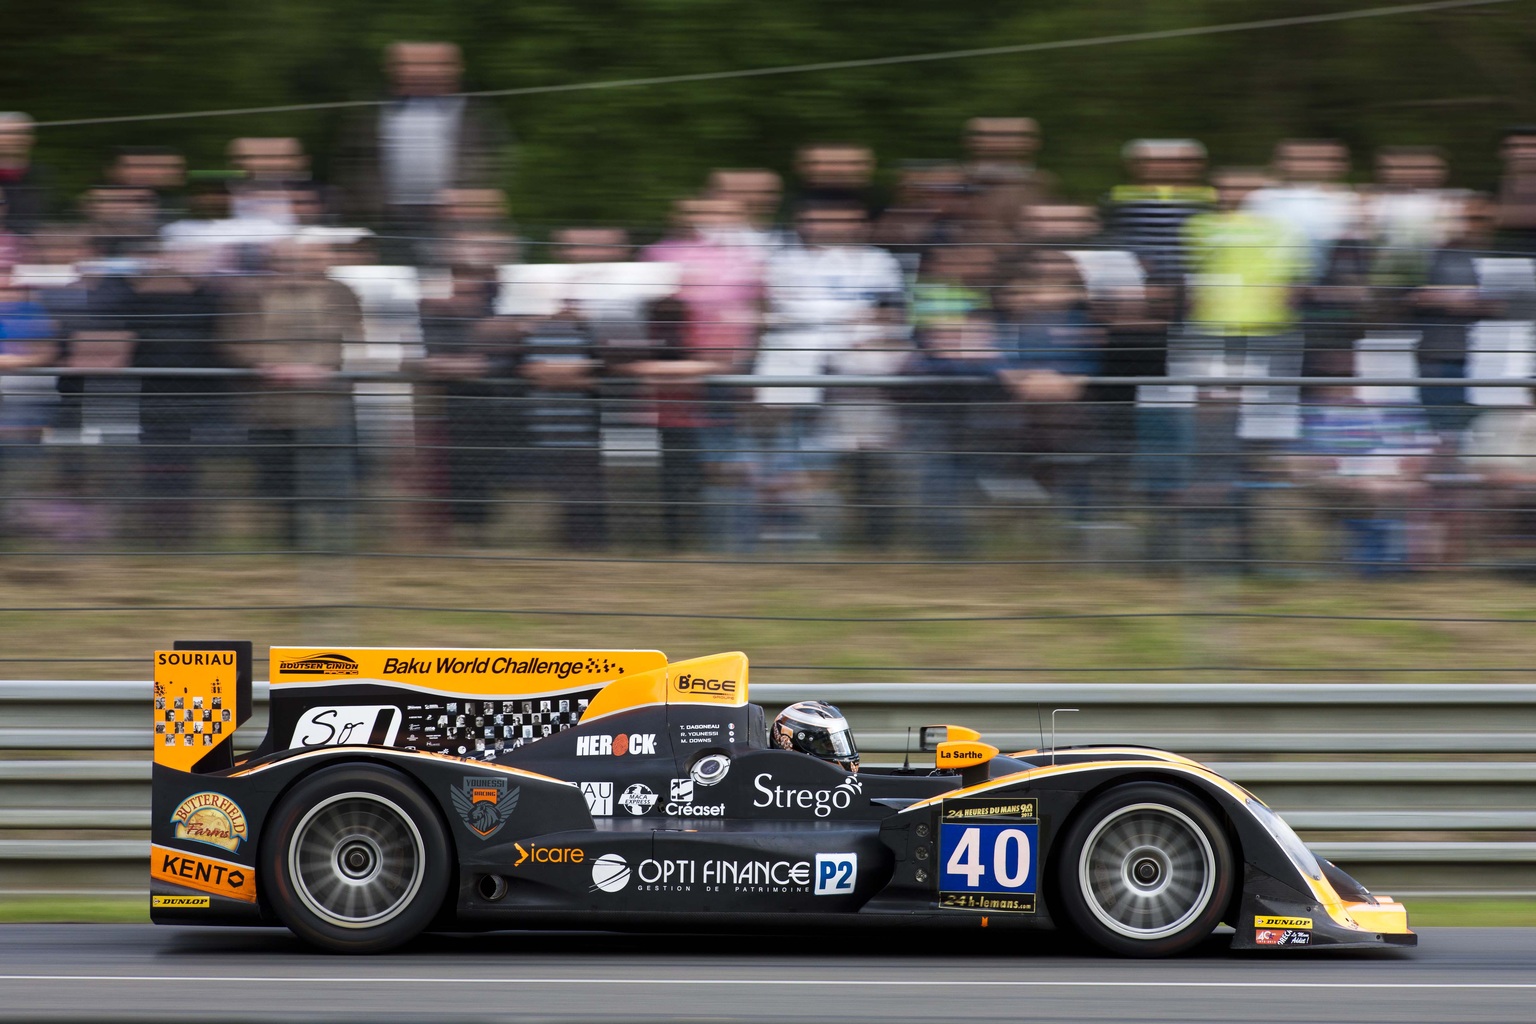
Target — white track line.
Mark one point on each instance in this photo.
(830, 982)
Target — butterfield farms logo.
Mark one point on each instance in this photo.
(485, 803)
(319, 665)
(211, 818)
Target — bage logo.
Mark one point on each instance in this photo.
(319, 665)
(618, 746)
(610, 873)
(599, 798)
(485, 804)
(682, 789)
(638, 799)
(211, 818)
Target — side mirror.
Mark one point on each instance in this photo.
(930, 736)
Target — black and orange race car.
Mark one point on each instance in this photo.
(398, 791)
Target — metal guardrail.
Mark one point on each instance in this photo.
(1419, 787)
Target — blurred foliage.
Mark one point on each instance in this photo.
(1453, 78)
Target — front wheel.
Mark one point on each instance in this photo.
(1144, 870)
(357, 860)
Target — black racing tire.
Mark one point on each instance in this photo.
(1144, 870)
(355, 859)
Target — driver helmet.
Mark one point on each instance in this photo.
(817, 728)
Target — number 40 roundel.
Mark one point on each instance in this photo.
(988, 858)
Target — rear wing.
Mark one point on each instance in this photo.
(467, 702)
(202, 695)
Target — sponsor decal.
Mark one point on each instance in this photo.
(1283, 922)
(374, 724)
(599, 798)
(548, 854)
(618, 746)
(680, 802)
(704, 689)
(981, 901)
(821, 802)
(496, 665)
(1282, 937)
(638, 799)
(686, 683)
(205, 874)
(195, 658)
(983, 810)
(836, 873)
(319, 665)
(211, 818)
(485, 803)
(714, 875)
(697, 735)
(181, 901)
(610, 873)
(990, 866)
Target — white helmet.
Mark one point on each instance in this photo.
(817, 728)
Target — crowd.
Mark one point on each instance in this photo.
(845, 356)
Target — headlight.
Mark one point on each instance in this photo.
(1289, 841)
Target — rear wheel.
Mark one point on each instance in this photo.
(357, 860)
(1144, 870)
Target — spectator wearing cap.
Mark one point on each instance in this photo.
(1167, 188)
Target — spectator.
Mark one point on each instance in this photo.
(758, 192)
(1147, 216)
(1244, 268)
(953, 429)
(1365, 463)
(23, 185)
(1454, 298)
(835, 172)
(123, 220)
(1312, 199)
(171, 314)
(300, 409)
(720, 292)
(953, 282)
(1001, 173)
(267, 169)
(1407, 212)
(27, 339)
(163, 171)
(475, 405)
(397, 161)
(830, 298)
(932, 207)
(1517, 189)
(562, 364)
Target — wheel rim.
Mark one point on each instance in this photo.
(357, 860)
(1147, 871)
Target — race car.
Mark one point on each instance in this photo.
(398, 791)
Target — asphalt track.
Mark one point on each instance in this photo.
(110, 973)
